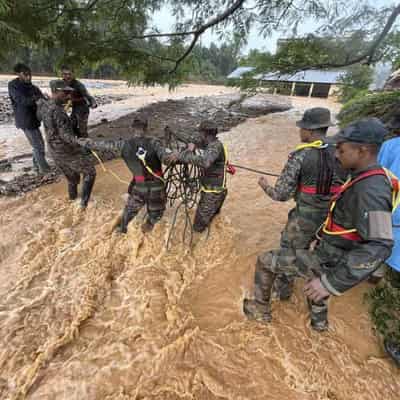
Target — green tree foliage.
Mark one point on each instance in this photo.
(383, 105)
(122, 31)
(384, 303)
(355, 82)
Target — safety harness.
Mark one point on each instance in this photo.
(318, 144)
(141, 155)
(227, 169)
(331, 228)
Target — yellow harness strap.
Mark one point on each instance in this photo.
(108, 170)
(315, 145)
(223, 187)
(151, 171)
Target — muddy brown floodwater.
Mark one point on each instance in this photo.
(87, 314)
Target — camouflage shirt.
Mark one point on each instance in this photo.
(116, 146)
(205, 158)
(302, 169)
(211, 160)
(63, 144)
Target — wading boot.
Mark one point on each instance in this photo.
(125, 219)
(147, 227)
(393, 349)
(284, 287)
(86, 191)
(256, 311)
(259, 309)
(318, 316)
(72, 191)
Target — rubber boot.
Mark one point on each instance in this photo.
(393, 349)
(147, 227)
(318, 315)
(72, 190)
(125, 219)
(259, 309)
(284, 287)
(87, 190)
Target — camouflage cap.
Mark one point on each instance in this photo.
(59, 85)
(209, 126)
(367, 130)
(315, 118)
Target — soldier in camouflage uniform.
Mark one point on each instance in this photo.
(213, 161)
(354, 239)
(81, 100)
(310, 176)
(143, 156)
(68, 155)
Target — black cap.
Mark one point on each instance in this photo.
(367, 130)
(315, 118)
(208, 126)
(60, 85)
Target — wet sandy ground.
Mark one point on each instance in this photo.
(87, 314)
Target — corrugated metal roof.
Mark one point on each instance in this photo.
(311, 75)
(238, 72)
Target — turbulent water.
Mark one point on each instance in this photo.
(89, 314)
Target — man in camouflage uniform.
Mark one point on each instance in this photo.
(310, 176)
(212, 160)
(143, 156)
(81, 101)
(68, 155)
(355, 238)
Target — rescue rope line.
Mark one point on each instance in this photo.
(257, 171)
(103, 167)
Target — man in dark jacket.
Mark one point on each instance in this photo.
(72, 159)
(81, 101)
(353, 241)
(23, 95)
(144, 156)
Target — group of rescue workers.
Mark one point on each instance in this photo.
(339, 233)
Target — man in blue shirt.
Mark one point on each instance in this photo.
(389, 157)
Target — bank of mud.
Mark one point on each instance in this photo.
(88, 314)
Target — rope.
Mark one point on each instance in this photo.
(108, 170)
(254, 170)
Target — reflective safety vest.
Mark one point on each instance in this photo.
(331, 228)
(318, 144)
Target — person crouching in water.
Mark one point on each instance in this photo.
(311, 177)
(144, 157)
(212, 158)
(72, 159)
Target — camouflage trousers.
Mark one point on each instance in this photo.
(153, 197)
(73, 173)
(293, 259)
(209, 206)
(298, 233)
(79, 120)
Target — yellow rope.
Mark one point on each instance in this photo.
(316, 145)
(108, 170)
